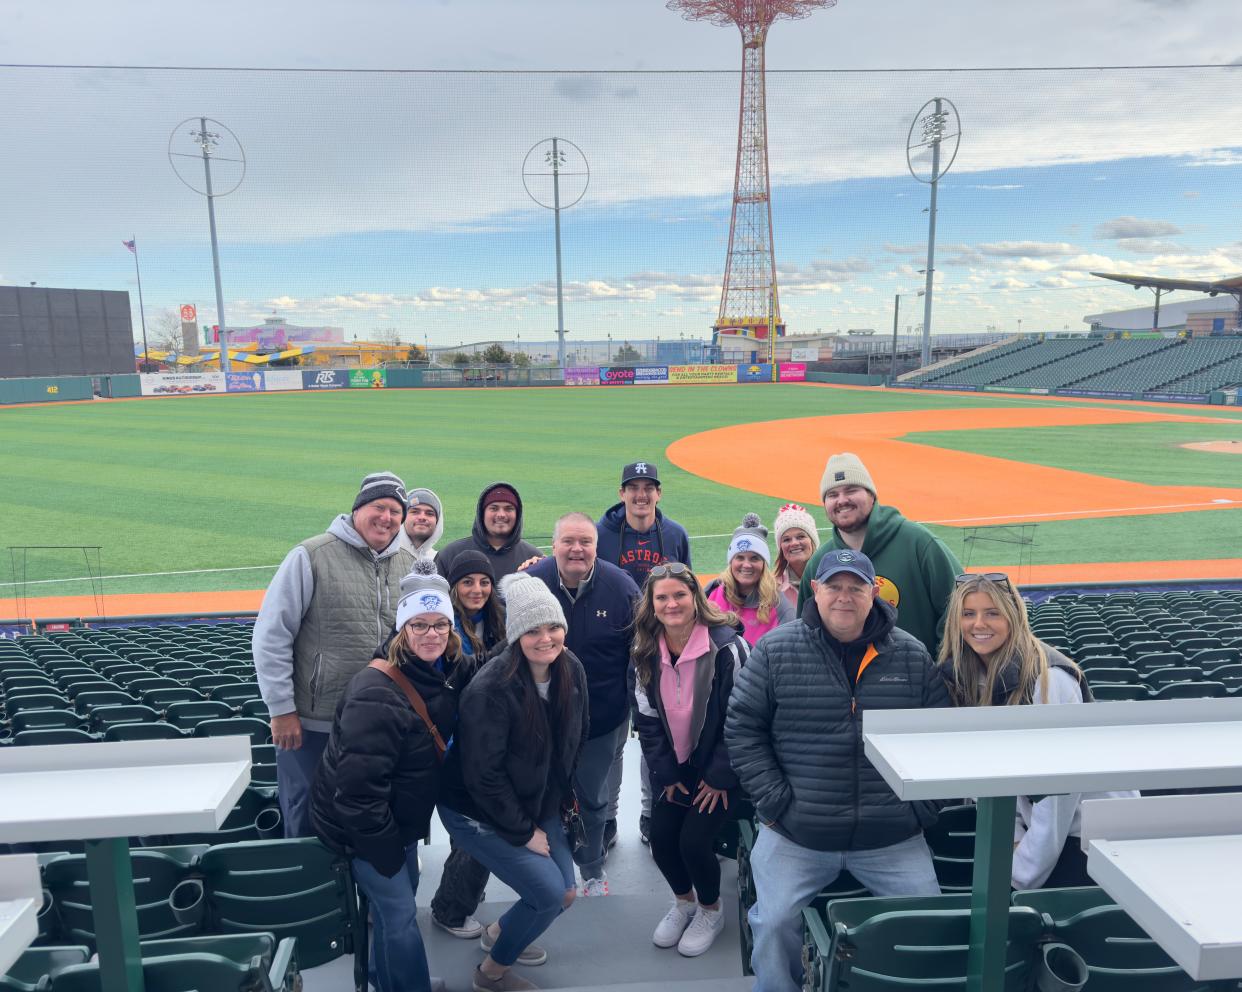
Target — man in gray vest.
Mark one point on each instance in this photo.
(329, 606)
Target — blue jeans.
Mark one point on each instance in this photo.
(397, 946)
(295, 774)
(592, 786)
(540, 882)
(788, 876)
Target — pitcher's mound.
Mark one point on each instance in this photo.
(1220, 447)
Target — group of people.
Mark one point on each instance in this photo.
(499, 687)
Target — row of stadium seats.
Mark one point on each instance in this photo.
(293, 900)
(1182, 365)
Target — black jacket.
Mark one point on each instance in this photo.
(505, 559)
(709, 760)
(498, 771)
(794, 732)
(599, 635)
(379, 778)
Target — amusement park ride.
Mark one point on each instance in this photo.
(750, 312)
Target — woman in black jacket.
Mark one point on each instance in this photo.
(686, 652)
(481, 625)
(377, 783)
(509, 774)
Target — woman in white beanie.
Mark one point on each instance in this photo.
(796, 541)
(508, 779)
(747, 587)
(380, 773)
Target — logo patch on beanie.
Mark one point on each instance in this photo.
(743, 544)
(839, 476)
(431, 602)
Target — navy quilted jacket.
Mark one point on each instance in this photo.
(794, 732)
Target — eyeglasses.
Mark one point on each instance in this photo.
(669, 568)
(996, 578)
(440, 626)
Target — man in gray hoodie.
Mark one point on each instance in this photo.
(424, 524)
(331, 603)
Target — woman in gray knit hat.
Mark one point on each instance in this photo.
(508, 778)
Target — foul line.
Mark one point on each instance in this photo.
(692, 537)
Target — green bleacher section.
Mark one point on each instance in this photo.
(1014, 362)
(1112, 355)
(1155, 373)
(1181, 366)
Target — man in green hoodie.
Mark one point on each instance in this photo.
(914, 569)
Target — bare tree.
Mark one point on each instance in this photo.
(390, 337)
(164, 331)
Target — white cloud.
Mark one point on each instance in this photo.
(1134, 227)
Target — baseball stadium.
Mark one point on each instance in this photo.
(343, 644)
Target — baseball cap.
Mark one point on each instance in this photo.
(640, 470)
(845, 560)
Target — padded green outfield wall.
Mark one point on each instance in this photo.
(53, 389)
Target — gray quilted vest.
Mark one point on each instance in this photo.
(351, 613)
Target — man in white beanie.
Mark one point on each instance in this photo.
(914, 569)
(329, 605)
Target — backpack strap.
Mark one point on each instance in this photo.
(416, 701)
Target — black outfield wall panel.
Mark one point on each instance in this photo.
(50, 332)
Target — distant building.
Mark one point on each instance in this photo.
(275, 334)
(1206, 315)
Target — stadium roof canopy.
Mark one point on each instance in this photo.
(1231, 286)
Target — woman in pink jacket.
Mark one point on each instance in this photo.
(748, 586)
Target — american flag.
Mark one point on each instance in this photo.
(131, 245)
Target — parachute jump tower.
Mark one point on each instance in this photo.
(749, 303)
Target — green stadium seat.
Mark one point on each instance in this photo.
(156, 874)
(28, 971)
(104, 717)
(256, 708)
(1120, 957)
(290, 888)
(952, 843)
(261, 950)
(24, 720)
(1191, 690)
(239, 726)
(886, 945)
(1113, 676)
(144, 731)
(86, 702)
(161, 699)
(1118, 692)
(187, 715)
(34, 698)
(1156, 678)
(59, 735)
(236, 694)
(176, 973)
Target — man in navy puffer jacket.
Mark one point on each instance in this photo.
(794, 732)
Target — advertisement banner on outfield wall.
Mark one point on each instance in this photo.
(620, 376)
(759, 372)
(325, 379)
(804, 354)
(281, 379)
(792, 372)
(702, 373)
(644, 374)
(582, 375)
(244, 382)
(181, 383)
(368, 378)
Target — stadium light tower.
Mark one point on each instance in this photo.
(749, 302)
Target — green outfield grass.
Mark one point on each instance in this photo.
(187, 485)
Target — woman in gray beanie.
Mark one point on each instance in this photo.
(508, 778)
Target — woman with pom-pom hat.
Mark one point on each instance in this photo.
(796, 540)
(748, 587)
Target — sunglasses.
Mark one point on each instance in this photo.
(996, 578)
(669, 568)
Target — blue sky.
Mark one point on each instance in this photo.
(377, 200)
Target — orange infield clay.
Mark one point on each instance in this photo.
(936, 485)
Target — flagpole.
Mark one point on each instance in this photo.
(141, 309)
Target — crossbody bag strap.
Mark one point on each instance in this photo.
(416, 701)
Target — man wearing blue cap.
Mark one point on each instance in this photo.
(794, 732)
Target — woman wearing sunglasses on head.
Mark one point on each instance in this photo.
(685, 653)
(379, 778)
(990, 657)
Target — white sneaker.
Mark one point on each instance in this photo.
(595, 886)
(469, 929)
(701, 932)
(669, 930)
